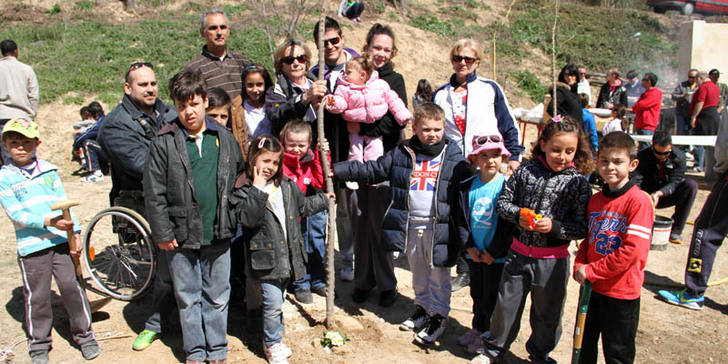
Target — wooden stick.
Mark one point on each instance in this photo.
(331, 234)
(584, 296)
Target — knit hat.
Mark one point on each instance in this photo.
(489, 142)
(27, 128)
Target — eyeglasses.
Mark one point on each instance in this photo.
(332, 41)
(667, 152)
(216, 27)
(468, 60)
(689, 77)
(290, 59)
(485, 139)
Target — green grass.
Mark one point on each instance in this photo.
(91, 58)
(434, 24)
(527, 82)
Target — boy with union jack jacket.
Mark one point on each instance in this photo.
(423, 173)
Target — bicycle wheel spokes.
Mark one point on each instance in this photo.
(124, 262)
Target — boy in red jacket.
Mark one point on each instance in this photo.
(614, 254)
(303, 166)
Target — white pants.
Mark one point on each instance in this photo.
(431, 284)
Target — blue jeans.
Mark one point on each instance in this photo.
(699, 152)
(273, 292)
(644, 132)
(94, 155)
(313, 229)
(162, 295)
(202, 288)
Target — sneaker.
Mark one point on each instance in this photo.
(276, 353)
(90, 350)
(347, 274)
(144, 339)
(433, 329)
(676, 239)
(96, 176)
(387, 298)
(682, 298)
(416, 321)
(360, 295)
(321, 291)
(352, 185)
(483, 359)
(468, 337)
(286, 350)
(461, 281)
(304, 296)
(476, 346)
(39, 357)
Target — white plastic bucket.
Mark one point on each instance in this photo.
(661, 233)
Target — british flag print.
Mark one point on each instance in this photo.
(424, 175)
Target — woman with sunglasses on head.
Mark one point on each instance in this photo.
(294, 95)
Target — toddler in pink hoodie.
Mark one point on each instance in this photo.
(362, 97)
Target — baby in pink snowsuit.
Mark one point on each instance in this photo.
(362, 97)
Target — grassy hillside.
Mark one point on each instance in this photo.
(89, 54)
(84, 46)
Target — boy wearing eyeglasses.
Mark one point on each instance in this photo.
(423, 173)
(482, 233)
(661, 173)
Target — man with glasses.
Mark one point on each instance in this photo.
(125, 137)
(711, 227)
(335, 57)
(661, 173)
(682, 95)
(218, 66)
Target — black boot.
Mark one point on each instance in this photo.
(461, 281)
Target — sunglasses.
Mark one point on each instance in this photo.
(290, 59)
(486, 138)
(667, 152)
(468, 60)
(332, 41)
(216, 27)
(136, 65)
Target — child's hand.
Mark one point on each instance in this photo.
(329, 100)
(580, 274)
(331, 196)
(474, 254)
(543, 225)
(168, 245)
(59, 223)
(258, 178)
(486, 258)
(79, 248)
(524, 223)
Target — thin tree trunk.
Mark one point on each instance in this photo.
(331, 233)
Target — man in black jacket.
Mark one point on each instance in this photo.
(125, 137)
(661, 173)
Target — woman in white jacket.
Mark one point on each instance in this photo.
(474, 105)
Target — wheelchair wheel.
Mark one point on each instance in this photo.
(119, 254)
